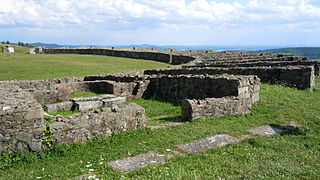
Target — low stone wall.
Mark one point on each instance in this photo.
(214, 107)
(21, 120)
(105, 121)
(301, 77)
(201, 86)
(155, 56)
(260, 63)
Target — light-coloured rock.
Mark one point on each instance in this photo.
(204, 144)
(136, 162)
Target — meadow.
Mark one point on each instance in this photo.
(291, 155)
(23, 66)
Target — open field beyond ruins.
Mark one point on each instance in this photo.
(22, 66)
(290, 154)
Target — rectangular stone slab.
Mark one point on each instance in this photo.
(87, 105)
(201, 145)
(117, 100)
(265, 130)
(136, 162)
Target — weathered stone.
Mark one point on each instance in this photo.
(82, 127)
(94, 98)
(67, 105)
(204, 144)
(87, 105)
(59, 126)
(117, 100)
(266, 130)
(35, 145)
(136, 162)
(2, 139)
(24, 137)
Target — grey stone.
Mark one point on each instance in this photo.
(266, 130)
(117, 100)
(204, 144)
(67, 105)
(24, 137)
(87, 105)
(136, 162)
(35, 145)
(59, 126)
(2, 139)
(94, 98)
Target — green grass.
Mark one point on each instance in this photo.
(21, 66)
(64, 112)
(291, 155)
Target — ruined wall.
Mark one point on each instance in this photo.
(214, 107)
(21, 120)
(301, 77)
(275, 63)
(105, 121)
(200, 86)
(155, 56)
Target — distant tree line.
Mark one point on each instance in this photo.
(19, 43)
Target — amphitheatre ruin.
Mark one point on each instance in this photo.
(207, 83)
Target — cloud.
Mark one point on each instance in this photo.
(160, 15)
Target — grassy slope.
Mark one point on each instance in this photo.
(311, 52)
(291, 155)
(17, 49)
(42, 66)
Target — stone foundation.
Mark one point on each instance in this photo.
(214, 107)
(105, 121)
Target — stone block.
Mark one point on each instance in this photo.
(87, 105)
(117, 100)
(67, 105)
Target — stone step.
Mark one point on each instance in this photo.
(201, 145)
(138, 161)
(93, 98)
(87, 105)
(116, 100)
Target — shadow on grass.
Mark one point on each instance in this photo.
(287, 130)
(171, 119)
(173, 102)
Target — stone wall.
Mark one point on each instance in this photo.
(128, 53)
(21, 120)
(301, 77)
(214, 107)
(202, 86)
(272, 64)
(105, 121)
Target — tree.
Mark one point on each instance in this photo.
(20, 43)
(7, 42)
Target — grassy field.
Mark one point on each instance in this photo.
(23, 66)
(293, 155)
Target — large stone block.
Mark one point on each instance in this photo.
(87, 105)
(67, 105)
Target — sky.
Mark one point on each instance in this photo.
(162, 22)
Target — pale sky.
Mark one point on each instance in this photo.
(162, 22)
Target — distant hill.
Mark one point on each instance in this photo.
(310, 52)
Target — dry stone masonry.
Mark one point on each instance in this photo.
(207, 83)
